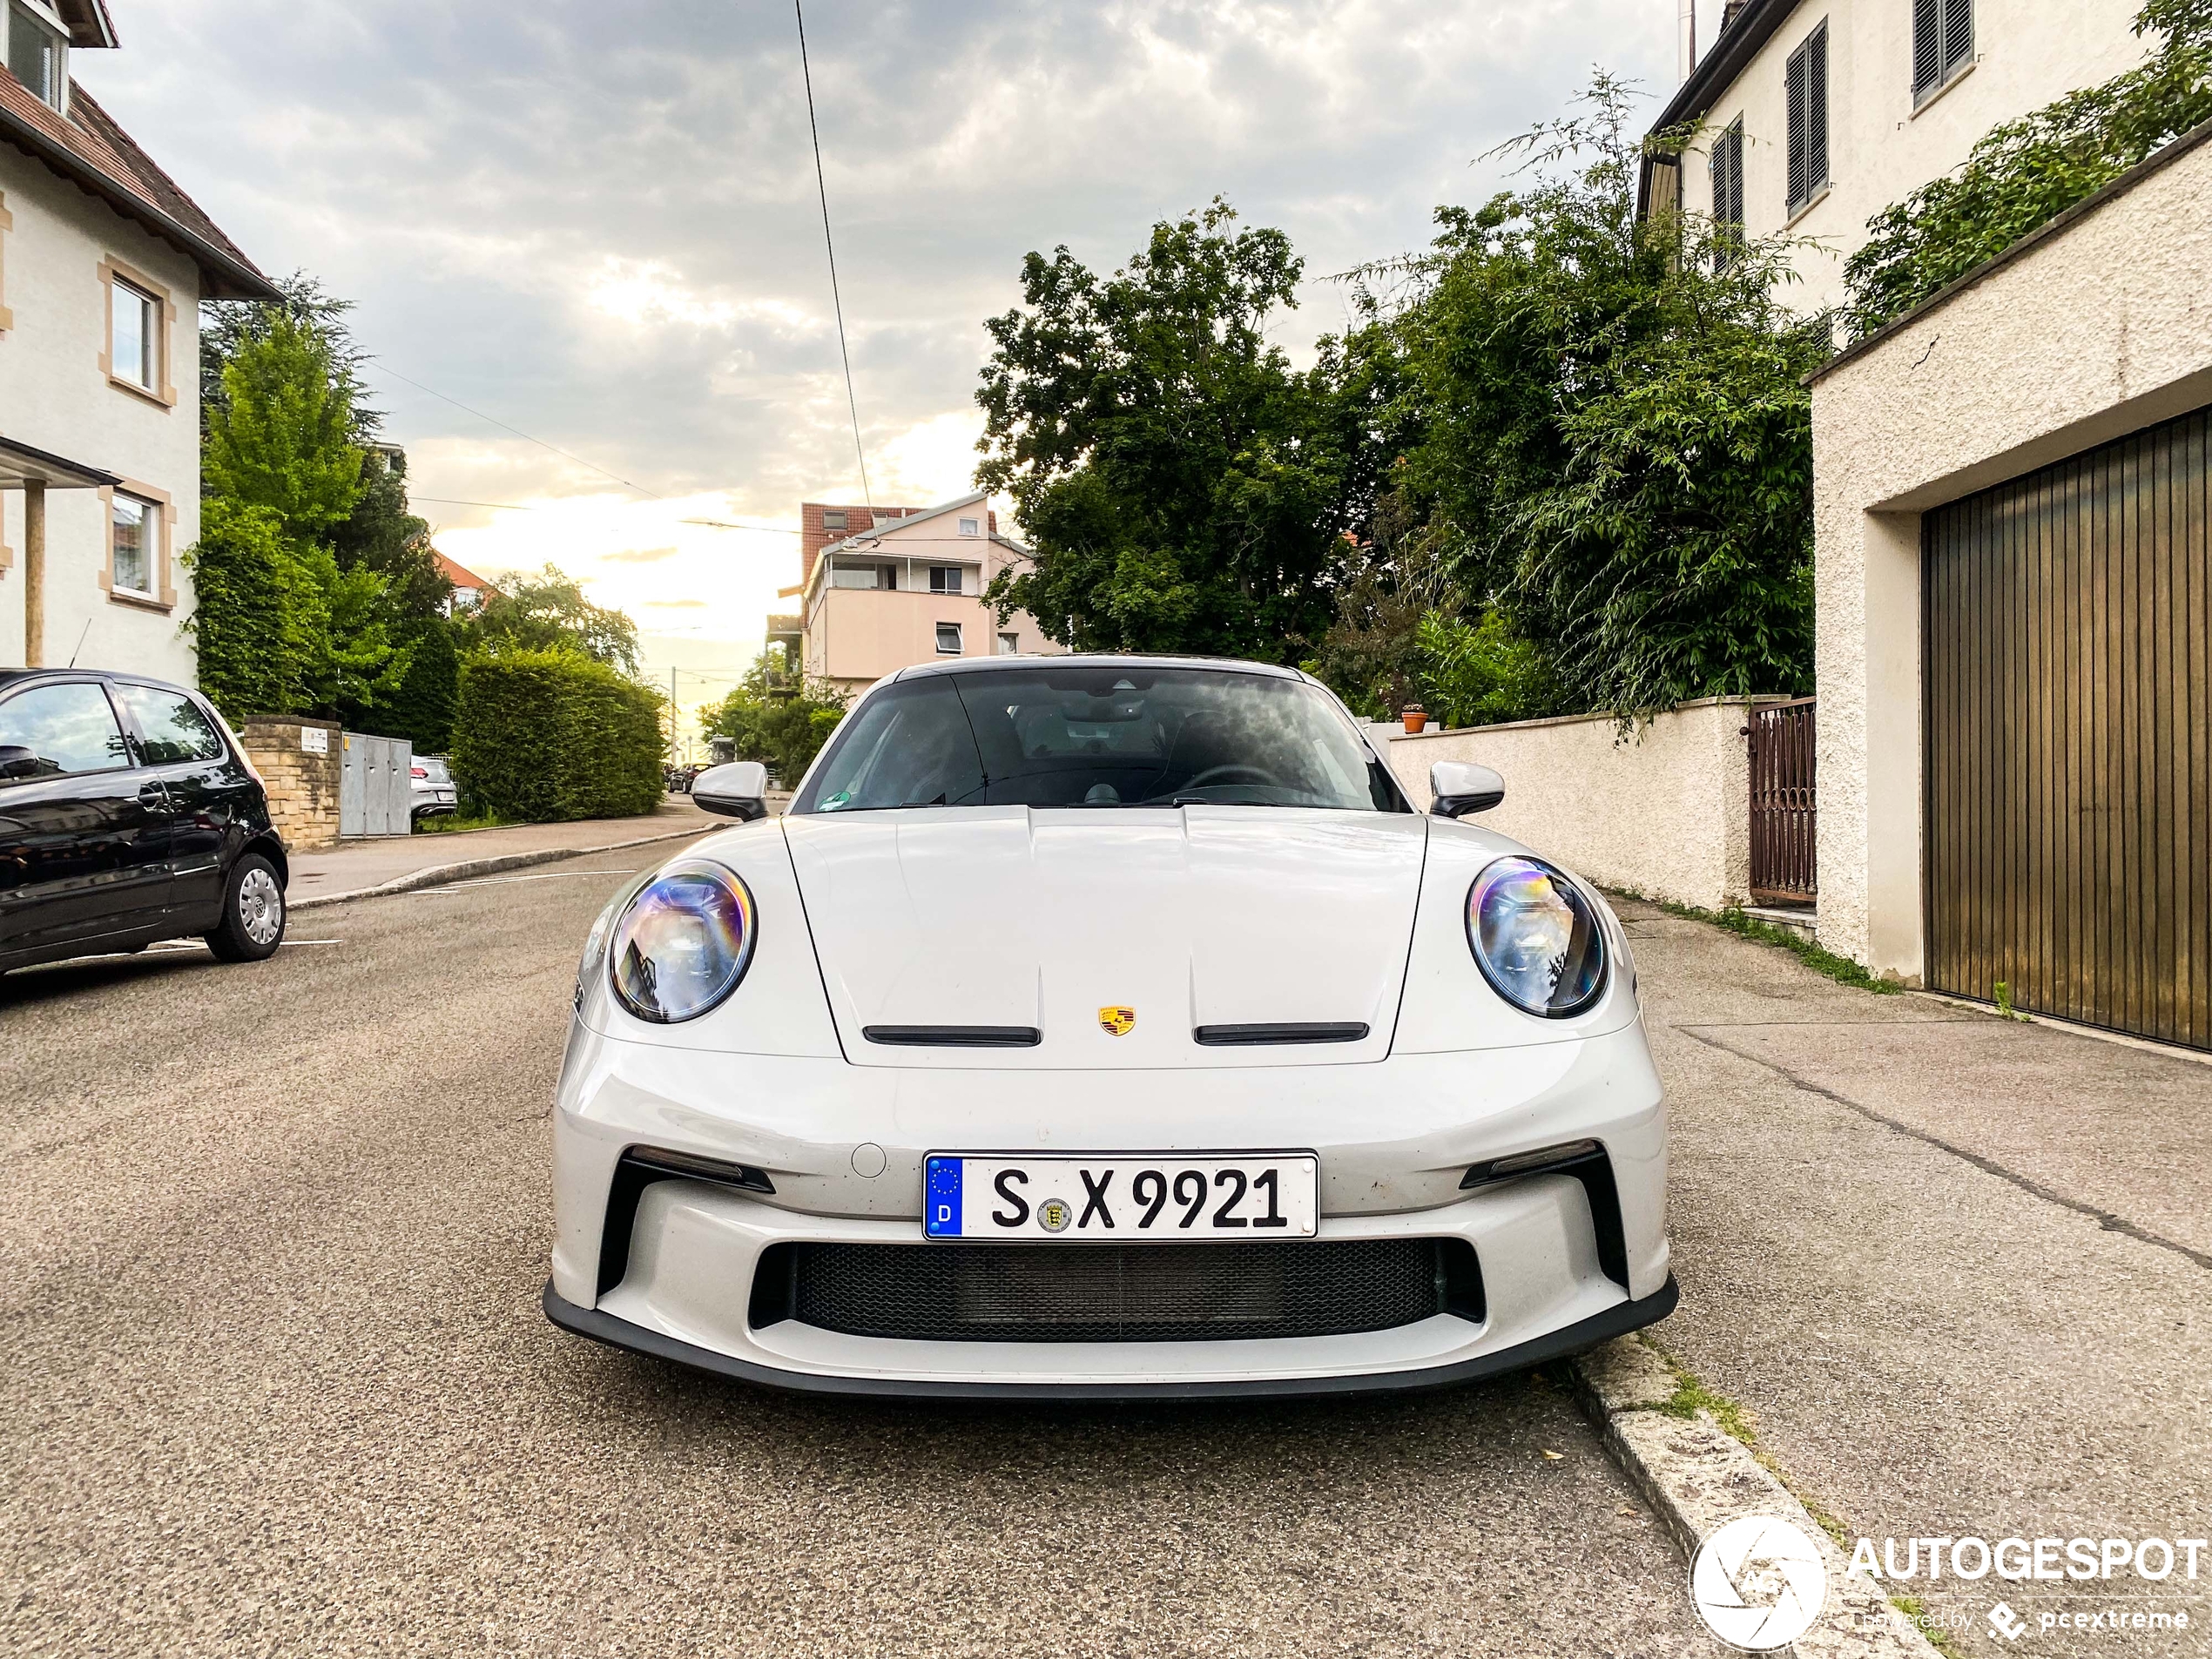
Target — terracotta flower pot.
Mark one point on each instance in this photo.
(1416, 719)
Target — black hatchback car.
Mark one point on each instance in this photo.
(129, 813)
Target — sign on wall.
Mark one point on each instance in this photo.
(313, 740)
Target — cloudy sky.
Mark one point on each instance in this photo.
(594, 221)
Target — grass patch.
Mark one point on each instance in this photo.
(1842, 969)
(446, 823)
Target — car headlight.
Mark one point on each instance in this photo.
(1536, 938)
(683, 942)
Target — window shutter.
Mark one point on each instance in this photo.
(1958, 34)
(1736, 176)
(1727, 190)
(1793, 81)
(1927, 49)
(1817, 110)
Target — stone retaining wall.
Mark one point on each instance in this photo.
(302, 784)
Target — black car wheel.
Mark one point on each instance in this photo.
(252, 923)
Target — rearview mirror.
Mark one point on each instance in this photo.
(737, 790)
(1461, 787)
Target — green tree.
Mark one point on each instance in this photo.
(261, 617)
(282, 485)
(1182, 488)
(777, 717)
(1612, 430)
(2023, 173)
(283, 436)
(549, 612)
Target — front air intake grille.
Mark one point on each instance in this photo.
(1116, 1293)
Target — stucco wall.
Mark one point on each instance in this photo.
(55, 396)
(2098, 328)
(1665, 810)
(2027, 52)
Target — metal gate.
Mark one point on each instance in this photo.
(376, 785)
(2068, 793)
(1784, 820)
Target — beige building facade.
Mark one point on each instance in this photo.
(1815, 115)
(104, 263)
(888, 587)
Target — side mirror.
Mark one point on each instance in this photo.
(1461, 787)
(737, 790)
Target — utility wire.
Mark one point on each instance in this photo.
(837, 302)
(518, 432)
(513, 507)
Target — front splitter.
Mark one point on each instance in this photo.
(1614, 1321)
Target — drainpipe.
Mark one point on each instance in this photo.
(1686, 37)
(34, 573)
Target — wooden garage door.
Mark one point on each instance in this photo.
(2069, 785)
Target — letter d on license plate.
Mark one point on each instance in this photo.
(1124, 1199)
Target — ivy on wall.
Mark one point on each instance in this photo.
(2023, 173)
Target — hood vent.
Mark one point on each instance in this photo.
(955, 1036)
(1249, 1036)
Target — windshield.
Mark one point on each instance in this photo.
(1098, 737)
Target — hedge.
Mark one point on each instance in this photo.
(543, 736)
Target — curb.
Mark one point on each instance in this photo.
(438, 875)
(1699, 1477)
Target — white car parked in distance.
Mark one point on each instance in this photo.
(430, 787)
(1106, 1026)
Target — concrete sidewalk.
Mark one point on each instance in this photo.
(354, 866)
(1959, 1267)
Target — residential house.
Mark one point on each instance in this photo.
(469, 588)
(886, 587)
(104, 264)
(2011, 482)
(1814, 115)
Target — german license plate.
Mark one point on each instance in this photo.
(1119, 1200)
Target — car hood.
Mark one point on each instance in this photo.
(1043, 921)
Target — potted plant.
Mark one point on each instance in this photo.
(1415, 717)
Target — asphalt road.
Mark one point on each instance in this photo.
(276, 1382)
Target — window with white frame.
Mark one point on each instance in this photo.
(37, 54)
(948, 639)
(1943, 44)
(1805, 86)
(136, 532)
(1009, 645)
(971, 527)
(846, 573)
(944, 579)
(1727, 166)
(134, 335)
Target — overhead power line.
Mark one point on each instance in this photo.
(516, 507)
(518, 432)
(837, 301)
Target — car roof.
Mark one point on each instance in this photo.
(1094, 659)
(12, 678)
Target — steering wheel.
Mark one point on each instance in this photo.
(1219, 774)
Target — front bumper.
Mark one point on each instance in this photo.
(1394, 1139)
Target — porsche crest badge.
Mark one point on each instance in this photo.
(1116, 1022)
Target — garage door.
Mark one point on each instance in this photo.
(2070, 787)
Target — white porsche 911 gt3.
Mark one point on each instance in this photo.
(1106, 1026)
